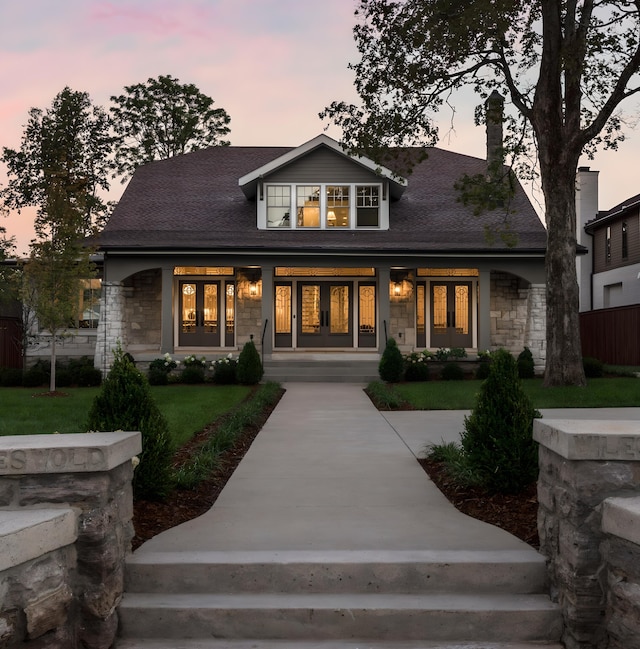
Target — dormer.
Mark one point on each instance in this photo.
(318, 186)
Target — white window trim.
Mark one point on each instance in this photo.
(383, 223)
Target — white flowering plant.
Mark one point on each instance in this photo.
(193, 361)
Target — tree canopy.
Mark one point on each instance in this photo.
(62, 162)
(565, 66)
(69, 145)
(163, 118)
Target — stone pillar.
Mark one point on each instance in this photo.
(90, 475)
(536, 329)
(111, 328)
(582, 463)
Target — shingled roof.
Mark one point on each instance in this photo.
(194, 202)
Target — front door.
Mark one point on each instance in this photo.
(325, 314)
(451, 314)
(199, 314)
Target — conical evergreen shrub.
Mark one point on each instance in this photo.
(249, 370)
(125, 403)
(497, 440)
(391, 366)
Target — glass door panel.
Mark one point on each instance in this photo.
(325, 314)
(367, 315)
(283, 328)
(451, 314)
(199, 314)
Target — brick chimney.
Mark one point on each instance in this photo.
(494, 117)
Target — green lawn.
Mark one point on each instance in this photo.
(616, 392)
(188, 408)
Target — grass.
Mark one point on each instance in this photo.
(188, 408)
(616, 392)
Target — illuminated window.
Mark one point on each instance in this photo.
(278, 206)
(338, 206)
(89, 306)
(308, 206)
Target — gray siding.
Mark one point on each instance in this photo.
(323, 166)
(633, 240)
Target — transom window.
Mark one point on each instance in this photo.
(343, 206)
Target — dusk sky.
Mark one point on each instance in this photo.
(273, 65)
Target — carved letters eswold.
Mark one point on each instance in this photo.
(51, 460)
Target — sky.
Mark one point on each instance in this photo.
(273, 65)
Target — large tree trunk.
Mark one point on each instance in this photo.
(564, 350)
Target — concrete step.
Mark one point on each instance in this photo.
(337, 572)
(270, 616)
(335, 371)
(321, 644)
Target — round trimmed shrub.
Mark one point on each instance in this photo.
(452, 372)
(391, 366)
(225, 371)
(35, 377)
(10, 377)
(125, 403)
(192, 374)
(497, 439)
(483, 369)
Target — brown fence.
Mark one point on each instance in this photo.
(612, 335)
(10, 342)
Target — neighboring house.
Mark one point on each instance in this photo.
(609, 274)
(613, 238)
(315, 253)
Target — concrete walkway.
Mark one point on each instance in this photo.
(328, 472)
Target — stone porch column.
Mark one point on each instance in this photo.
(111, 327)
(536, 329)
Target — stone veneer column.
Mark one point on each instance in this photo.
(90, 474)
(536, 329)
(582, 463)
(484, 311)
(111, 328)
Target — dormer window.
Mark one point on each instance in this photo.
(324, 206)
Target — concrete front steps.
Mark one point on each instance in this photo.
(331, 599)
(316, 368)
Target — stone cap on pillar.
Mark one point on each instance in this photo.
(576, 439)
(67, 453)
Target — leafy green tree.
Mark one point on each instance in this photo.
(566, 66)
(8, 283)
(163, 118)
(61, 165)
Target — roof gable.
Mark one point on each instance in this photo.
(249, 182)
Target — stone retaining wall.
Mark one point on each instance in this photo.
(589, 525)
(66, 505)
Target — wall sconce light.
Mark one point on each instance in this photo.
(397, 288)
(253, 289)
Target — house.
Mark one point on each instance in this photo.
(613, 240)
(609, 274)
(314, 253)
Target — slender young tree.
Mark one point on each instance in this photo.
(63, 161)
(163, 118)
(565, 65)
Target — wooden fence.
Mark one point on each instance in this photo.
(612, 335)
(10, 342)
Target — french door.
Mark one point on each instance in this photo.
(451, 314)
(325, 314)
(207, 313)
